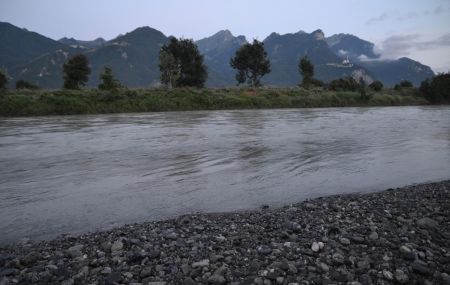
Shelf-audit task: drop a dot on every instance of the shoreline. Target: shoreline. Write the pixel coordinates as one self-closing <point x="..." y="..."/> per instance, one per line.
<point x="396" y="236"/>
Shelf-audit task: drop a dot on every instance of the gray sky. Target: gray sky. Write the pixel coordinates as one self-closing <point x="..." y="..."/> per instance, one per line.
<point x="419" y="29"/>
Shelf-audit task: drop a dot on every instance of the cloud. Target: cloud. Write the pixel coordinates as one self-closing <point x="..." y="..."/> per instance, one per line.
<point x="408" y="16"/>
<point x="396" y="46"/>
<point x="402" y="45"/>
<point x="381" y="18"/>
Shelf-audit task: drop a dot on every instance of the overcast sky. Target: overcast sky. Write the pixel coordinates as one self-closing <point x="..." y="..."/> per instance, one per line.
<point x="419" y="29"/>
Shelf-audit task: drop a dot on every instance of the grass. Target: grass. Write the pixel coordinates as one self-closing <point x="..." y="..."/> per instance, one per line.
<point x="93" y="101"/>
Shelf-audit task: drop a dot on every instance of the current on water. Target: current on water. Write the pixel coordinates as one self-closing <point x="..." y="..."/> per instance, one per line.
<point x="74" y="174"/>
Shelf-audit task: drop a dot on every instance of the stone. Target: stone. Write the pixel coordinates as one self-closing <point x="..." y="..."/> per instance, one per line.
<point x="401" y="277"/>
<point x="117" y="246"/>
<point x="338" y="258"/>
<point x="75" y="251"/>
<point x="427" y="223"/>
<point x="420" y="267"/>
<point x="407" y="253"/>
<point x="324" y="267"/>
<point x="344" y="241"/>
<point x="145" y="272"/>
<point x="445" y="278"/>
<point x="264" y="249"/>
<point x="373" y="236"/>
<point x="315" y="247"/>
<point x="217" y="279"/>
<point x="106" y="270"/>
<point x="201" y="263"/>
<point x="388" y="275"/>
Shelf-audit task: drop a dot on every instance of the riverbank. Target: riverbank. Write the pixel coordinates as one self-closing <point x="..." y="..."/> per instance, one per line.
<point x="396" y="236"/>
<point x="92" y="101"/>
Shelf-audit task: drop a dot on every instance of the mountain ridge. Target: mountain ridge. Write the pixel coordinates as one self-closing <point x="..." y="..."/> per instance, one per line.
<point x="133" y="57"/>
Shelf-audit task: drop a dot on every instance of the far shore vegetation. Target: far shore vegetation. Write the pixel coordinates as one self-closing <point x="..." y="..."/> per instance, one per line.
<point x="183" y="75"/>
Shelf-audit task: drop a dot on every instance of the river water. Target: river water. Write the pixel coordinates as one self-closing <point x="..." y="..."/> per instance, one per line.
<point x="74" y="174"/>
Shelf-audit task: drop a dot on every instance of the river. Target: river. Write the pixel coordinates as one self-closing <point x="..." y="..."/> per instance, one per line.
<point x="74" y="174"/>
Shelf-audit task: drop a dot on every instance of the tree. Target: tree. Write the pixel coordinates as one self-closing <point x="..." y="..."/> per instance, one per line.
<point x="22" y="84"/>
<point x="306" y="69"/>
<point x="376" y="86"/>
<point x="344" y="84"/>
<point x="403" y="84"/>
<point x="438" y="89"/>
<point x="251" y="63"/>
<point x="108" y="82"/>
<point x="3" y="80"/>
<point x="76" y="72"/>
<point x="170" y="69"/>
<point x="190" y="70"/>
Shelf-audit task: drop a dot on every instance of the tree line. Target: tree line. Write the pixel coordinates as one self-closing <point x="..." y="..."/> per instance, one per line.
<point x="182" y="65"/>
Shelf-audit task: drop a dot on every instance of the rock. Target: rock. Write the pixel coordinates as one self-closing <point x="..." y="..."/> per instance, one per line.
<point x="344" y="241"/>
<point x="116" y="246"/>
<point x="201" y="263"/>
<point x="445" y="278"/>
<point x="157" y="283"/>
<point x="31" y="258"/>
<point x="145" y="272"/>
<point x="388" y="275"/>
<point x="338" y="258"/>
<point x="407" y="253"/>
<point x="217" y="279"/>
<point x="315" y="247"/>
<point x="69" y="281"/>
<point x="401" y="277"/>
<point x="75" y="251"/>
<point x="106" y="270"/>
<point x="280" y="280"/>
<point x="420" y="267"/>
<point x="324" y="267"/>
<point x="373" y="236"/>
<point x="427" y="223"/>
<point x="264" y="249"/>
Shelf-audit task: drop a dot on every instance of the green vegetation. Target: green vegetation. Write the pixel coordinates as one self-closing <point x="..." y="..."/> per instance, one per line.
<point x="22" y="84"/>
<point x="76" y="72"/>
<point x="376" y="86"/>
<point x="437" y="90"/>
<point x="344" y="84"/>
<point x="92" y="101"/>
<point x="251" y="63"/>
<point x="108" y="82"/>
<point x="181" y="64"/>
<point x="3" y="81"/>
<point x="306" y="69"/>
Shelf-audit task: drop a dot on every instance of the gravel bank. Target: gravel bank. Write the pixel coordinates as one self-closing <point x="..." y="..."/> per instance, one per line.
<point x="398" y="236"/>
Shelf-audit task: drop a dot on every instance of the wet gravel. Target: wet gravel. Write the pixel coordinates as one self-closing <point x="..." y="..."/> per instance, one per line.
<point x="397" y="236"/>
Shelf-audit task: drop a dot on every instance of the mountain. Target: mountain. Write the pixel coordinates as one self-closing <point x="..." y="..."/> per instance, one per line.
<point x="355" y="48"/>
<point x="218" y="50"/>
<point x="19" y="46"/>
<point x="284" y="52"/>
<point x="82" y="44"/>
<point x="133" y="58"/>
<point x="390" y="72"/>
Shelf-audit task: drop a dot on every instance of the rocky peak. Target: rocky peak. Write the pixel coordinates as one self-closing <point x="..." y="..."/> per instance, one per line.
<point x="318" y="35"/>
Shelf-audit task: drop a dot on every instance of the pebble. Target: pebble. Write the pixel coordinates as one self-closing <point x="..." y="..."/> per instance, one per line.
<point x="326" y="242"/>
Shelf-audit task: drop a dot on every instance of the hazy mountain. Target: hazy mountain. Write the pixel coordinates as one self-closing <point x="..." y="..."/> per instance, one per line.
<point x="82" y="44"/>
<point x="133" y="58"/>
<point x="391" y="72"/>
<point x="218" y="50"/>
<point x="19" y="46"/>
<point x="355" y="48"/>
<point x="285" y="51"/>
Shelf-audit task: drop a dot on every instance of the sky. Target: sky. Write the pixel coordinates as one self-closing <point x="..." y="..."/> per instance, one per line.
<point x="419" y="29"/>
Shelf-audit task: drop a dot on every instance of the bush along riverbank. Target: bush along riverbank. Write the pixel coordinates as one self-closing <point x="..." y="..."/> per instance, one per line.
<point x="398" y="236"/>
<point x="92" y="101"/>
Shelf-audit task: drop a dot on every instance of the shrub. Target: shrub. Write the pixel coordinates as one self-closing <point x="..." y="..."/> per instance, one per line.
<point x="22" y="84"/>
<point x="376" y="86"/>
